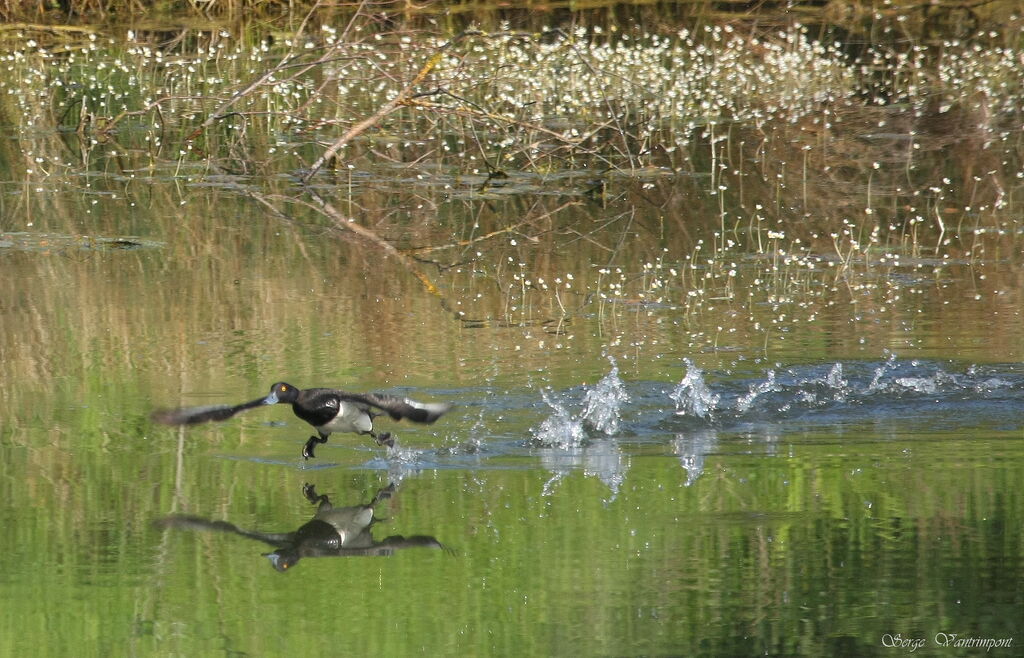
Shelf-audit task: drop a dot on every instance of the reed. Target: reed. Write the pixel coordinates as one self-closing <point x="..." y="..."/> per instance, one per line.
<point x="821" y="168"/>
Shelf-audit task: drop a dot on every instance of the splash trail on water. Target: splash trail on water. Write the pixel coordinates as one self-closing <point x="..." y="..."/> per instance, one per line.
<point x="597" y="430"/>
<point x="600" y="416"/>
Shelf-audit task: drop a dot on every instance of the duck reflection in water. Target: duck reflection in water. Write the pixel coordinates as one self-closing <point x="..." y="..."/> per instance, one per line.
<point x="332" y="532"/>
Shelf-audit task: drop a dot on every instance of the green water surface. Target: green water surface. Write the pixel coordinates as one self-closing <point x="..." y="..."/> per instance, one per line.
<point x="127" y="289"/>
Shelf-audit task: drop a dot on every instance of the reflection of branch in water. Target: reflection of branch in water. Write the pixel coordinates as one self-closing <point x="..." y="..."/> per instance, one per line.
<point x="349" y="226"/>
<point x="332" y="532"/>
<point x="480" y="238"/>
<point x="412" y="258"/>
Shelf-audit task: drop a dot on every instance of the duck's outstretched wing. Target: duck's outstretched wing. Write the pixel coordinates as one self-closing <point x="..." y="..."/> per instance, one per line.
<point x="399" y="408"/>
<point x="196" y="415"/>
<point x="398" y="542"/>
<point x="189" y="522"/>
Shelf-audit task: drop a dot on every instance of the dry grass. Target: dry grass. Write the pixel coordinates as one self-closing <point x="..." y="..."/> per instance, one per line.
<point x="820" y="170"/>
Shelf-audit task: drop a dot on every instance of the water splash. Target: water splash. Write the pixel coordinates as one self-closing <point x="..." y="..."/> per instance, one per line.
<point x="880" y="373"/>
<point x="834" y="380"/>
<point x="604" y="401"/>
<point x="983" y="384"/>
<point x="561" y="429"/>
<point x="849" y="392"/>
<point x="692" y="396"/>
<point x="744" y="403"/>
<point x="600" y="414"/>
<point x="585" y="440"/>
<point x="399" y="462"/>
<point x="918" y="384"/>
<point x="817" y="390"/>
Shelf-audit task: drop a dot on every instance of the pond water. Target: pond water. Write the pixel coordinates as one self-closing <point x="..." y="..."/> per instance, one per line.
<point x="685" y="422"/>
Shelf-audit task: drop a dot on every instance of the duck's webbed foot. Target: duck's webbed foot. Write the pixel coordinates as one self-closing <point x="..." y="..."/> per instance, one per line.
<point x="307" y="450"/>
<point x="322" y="502"/>
<point x="383" y="439"/>
<point x="309" y="491"/>
<point x="383" y="494"/>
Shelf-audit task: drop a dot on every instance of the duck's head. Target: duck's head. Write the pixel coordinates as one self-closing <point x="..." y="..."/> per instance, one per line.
<point x="281" y="392"/>
<point x="283" y="559"/>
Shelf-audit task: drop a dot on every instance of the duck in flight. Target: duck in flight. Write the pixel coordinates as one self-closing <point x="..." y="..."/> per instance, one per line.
<point x="328" y="410"/>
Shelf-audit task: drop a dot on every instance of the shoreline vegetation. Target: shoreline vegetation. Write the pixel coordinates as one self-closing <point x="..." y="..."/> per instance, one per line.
<point x="789" y="147"/>
<point x="936" y="16"/>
